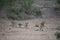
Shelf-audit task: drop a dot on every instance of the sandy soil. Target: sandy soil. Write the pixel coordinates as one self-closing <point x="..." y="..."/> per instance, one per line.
<point x="7" y="32"/>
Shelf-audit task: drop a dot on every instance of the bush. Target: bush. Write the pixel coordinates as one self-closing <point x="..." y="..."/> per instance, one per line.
<point x="18" y="13"/>
<point x="57" y="35"/>
<point x="58" y="1"/>
<point x="11" y="9"/>
<point x="38" y="13"/>
<point x="27" y="4"/>
<point x="12" y="16"/>
<point x="4" y="3"/>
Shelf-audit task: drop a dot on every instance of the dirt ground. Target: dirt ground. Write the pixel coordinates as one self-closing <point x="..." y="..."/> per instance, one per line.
<point x="8" y="31"/>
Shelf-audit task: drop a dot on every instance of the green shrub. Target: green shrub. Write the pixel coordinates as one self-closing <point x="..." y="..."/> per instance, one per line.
<point x="19" y="13"/>
<point x="38" y="13"/>
<point x="57" y="35"/>
<point x="1" y="4"/>
<point x="27" y="4"/>
<point x="11" y="10"/>
<point x="58" y="1"/>
<point x="5" y="3"/>
<point x="21" y="10"/>
<point x="12" y="16"/>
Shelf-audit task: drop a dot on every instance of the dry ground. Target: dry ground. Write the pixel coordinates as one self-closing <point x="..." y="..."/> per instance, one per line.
<point x="16" y="33"/>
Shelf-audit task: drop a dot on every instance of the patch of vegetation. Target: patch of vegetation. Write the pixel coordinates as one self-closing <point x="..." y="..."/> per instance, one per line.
<point x="12" y="16"/>
<point x="27" y="4"/>
<point x="1" y="4"/>
<point x="19" y="12"/>
<point x="57" y="35"/>
<point x="58" y="1"/>
<point x="4" y="3"/>
<point x="11" y="9"/>
<point x="38" y="13"/>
